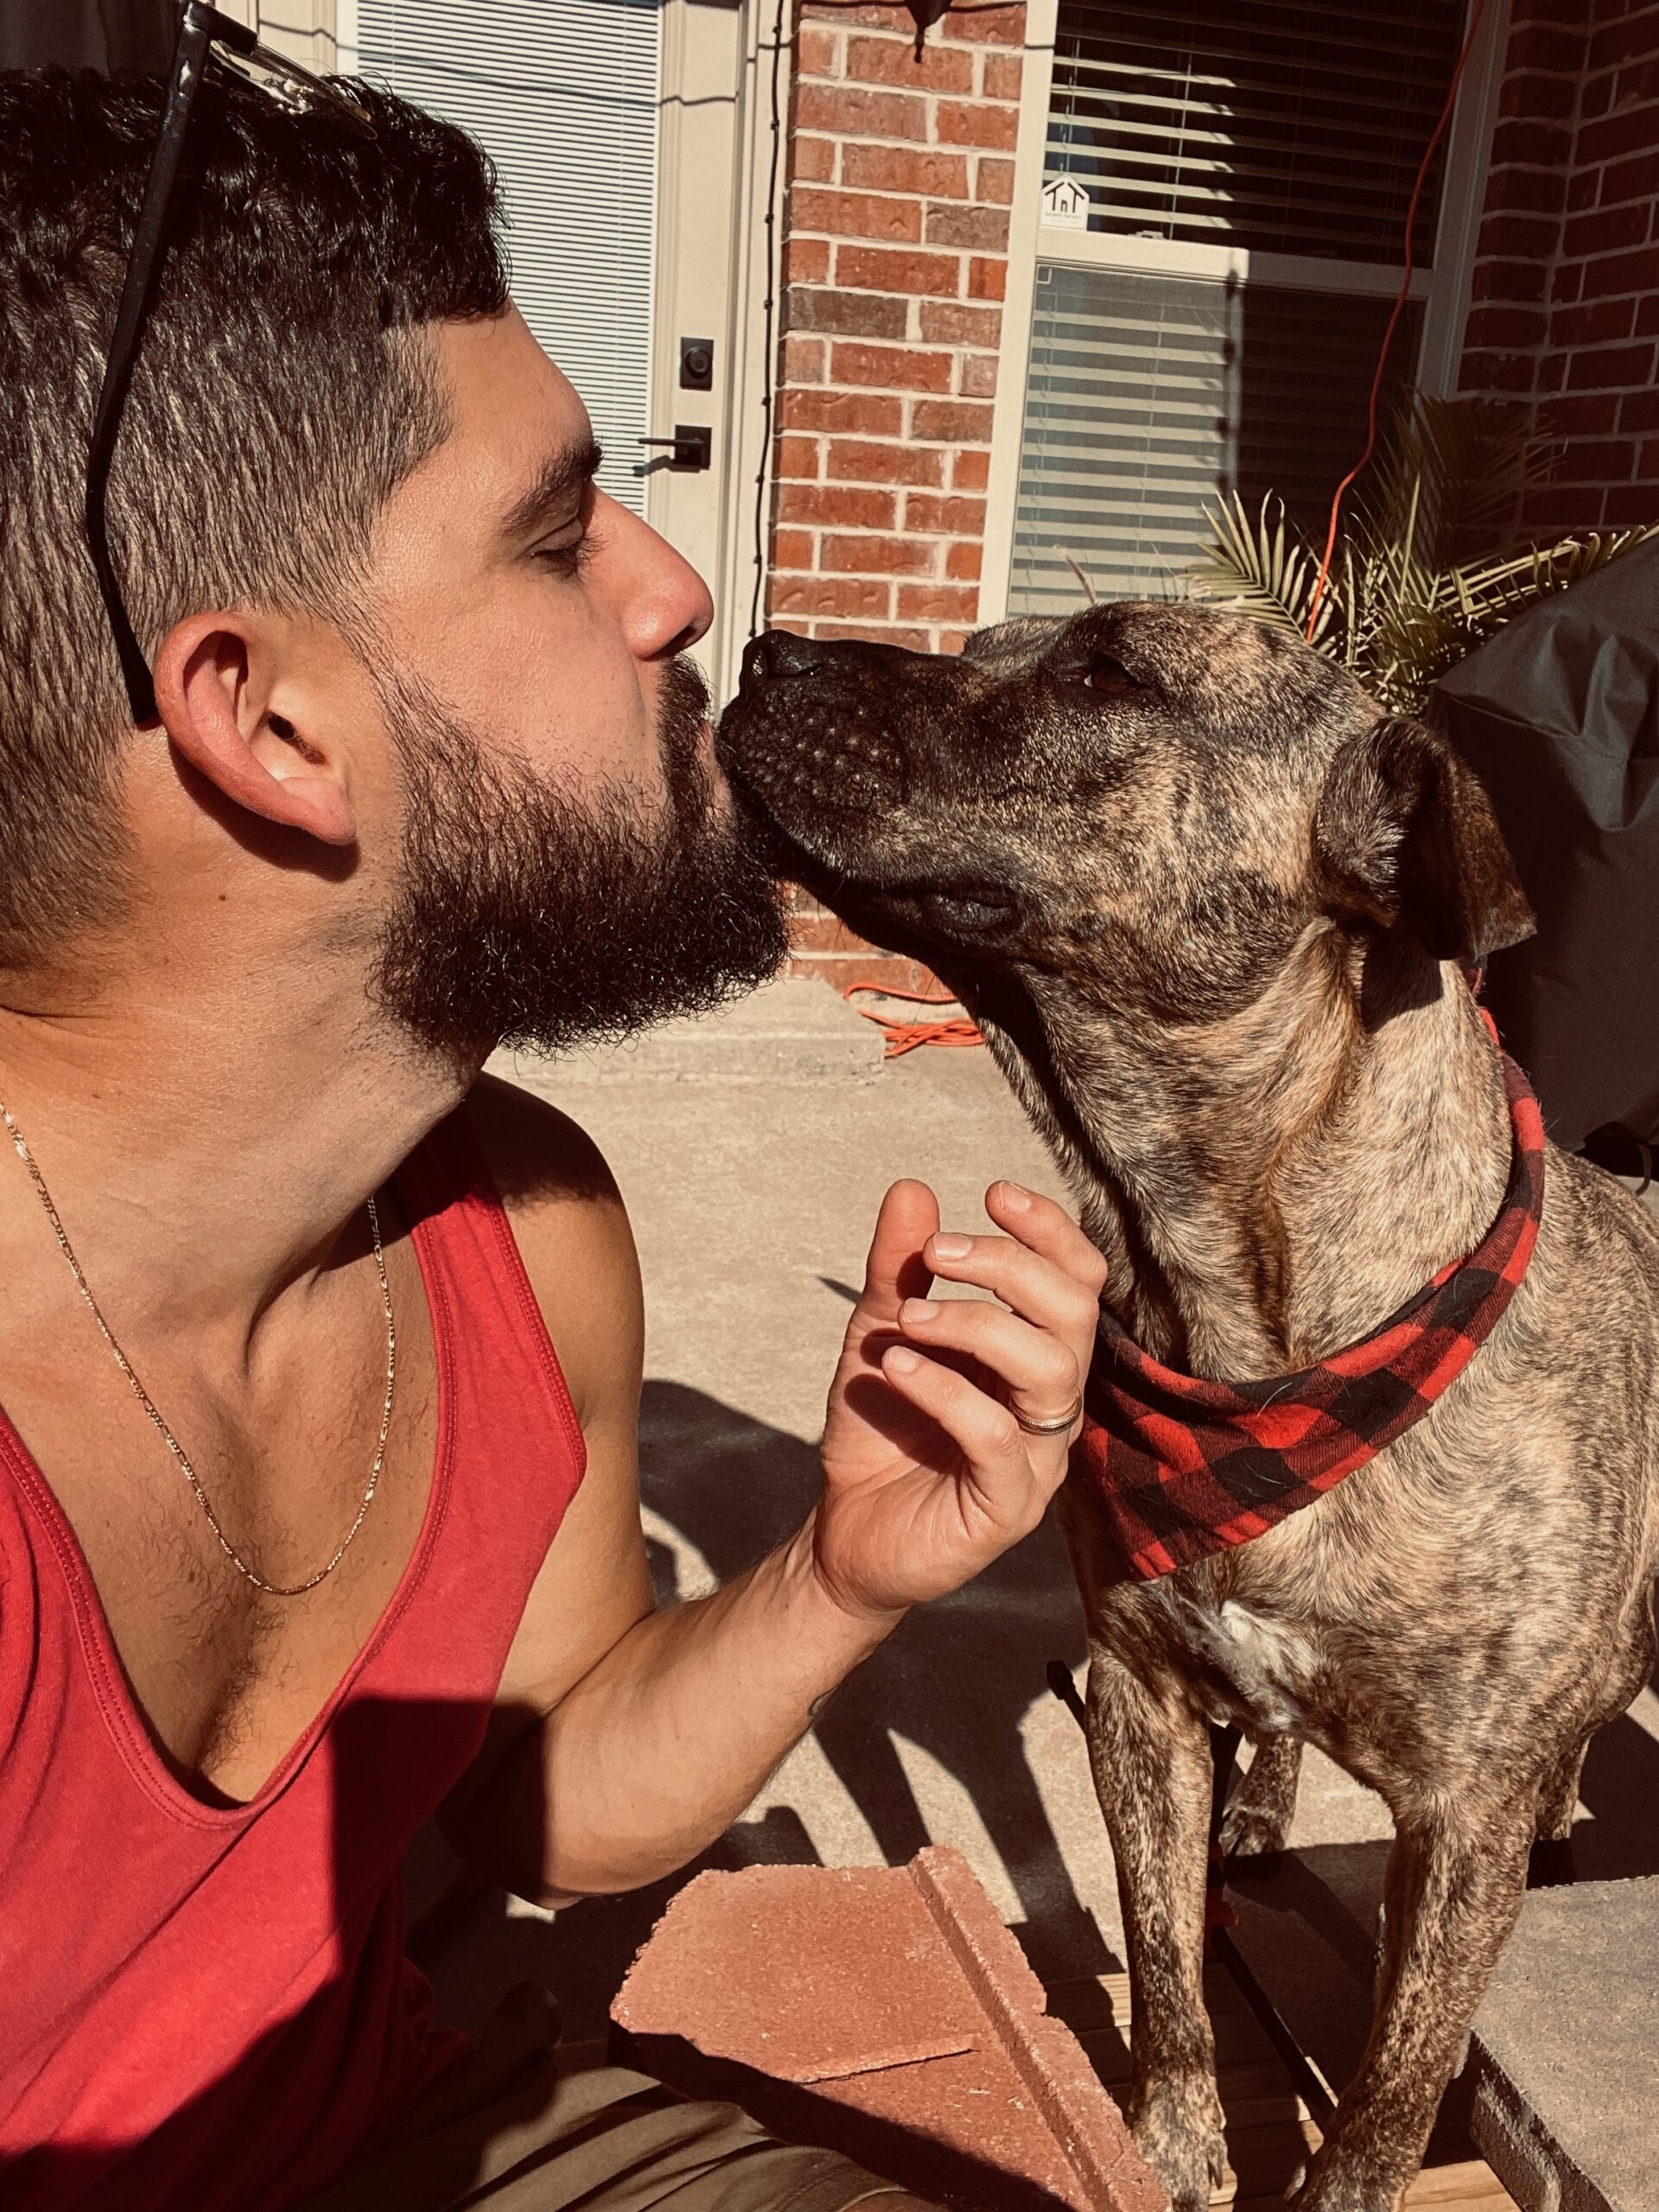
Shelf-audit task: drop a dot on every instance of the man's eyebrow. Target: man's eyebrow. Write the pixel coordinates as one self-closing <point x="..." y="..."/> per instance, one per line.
<point x="558" y="483"/>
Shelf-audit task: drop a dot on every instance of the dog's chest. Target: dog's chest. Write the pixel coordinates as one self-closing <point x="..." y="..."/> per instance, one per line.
<point x="1255" y="1666"/>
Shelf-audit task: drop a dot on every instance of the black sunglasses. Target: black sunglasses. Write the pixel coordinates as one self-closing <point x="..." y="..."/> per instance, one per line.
<point x="208" y="40"/>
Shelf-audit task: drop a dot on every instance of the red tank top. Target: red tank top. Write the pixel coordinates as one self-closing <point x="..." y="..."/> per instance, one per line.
<point x="212" y="2007"/>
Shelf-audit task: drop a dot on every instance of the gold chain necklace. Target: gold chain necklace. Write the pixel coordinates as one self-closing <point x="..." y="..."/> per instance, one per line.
<point x="271" y="1589"/>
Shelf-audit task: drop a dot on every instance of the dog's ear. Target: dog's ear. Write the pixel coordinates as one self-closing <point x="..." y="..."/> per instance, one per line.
<point x="1405" y="833"/>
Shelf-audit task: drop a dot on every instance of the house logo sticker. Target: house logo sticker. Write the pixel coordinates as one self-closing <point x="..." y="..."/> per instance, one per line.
<point x="1065" y="204"/>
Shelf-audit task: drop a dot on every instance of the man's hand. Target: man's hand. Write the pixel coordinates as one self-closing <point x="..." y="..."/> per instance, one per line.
<point x="928" y="1477"/>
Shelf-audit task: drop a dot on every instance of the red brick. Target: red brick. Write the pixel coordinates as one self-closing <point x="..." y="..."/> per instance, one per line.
<point x="1628" y="130"/>
<point x="915" y="641"/>
<point x="953" y="641"/>
<point x="1567" y="283"/>
<point x="792" y="549"/>
<point x="841" y="506"/>
<point x="1613" y="274"/>
<point x="1550" y="374"/>
<point x="946" y="322"/>
<point x="1620" y="41"/>
<point x="1647" y="463"/>
<point x="876" y="556"/>
<point x="963" y="561"/>
<point x="985" y="229"/>
<point x="1583" y="416"/>
<point x="1506" y="326"/>
<point x="877" y="16"/>
<point x="818" y="52"/>
<point x="1508" y="232"/>
<point x="950" y="422"/>
<point x="1001" y="78"/>
<point x="889" y="971"/>
<point x="1627" y="503"/>
<point x="1646" y="316"/>
<point x="1497" y="374"/>
<point x="820" y="934"/>
<point x="858" y="413"/>
<point x="1593" y="322"/>
<point x="985" y="26"/>
<point x="795" y="624"/>
<point x="939" y="602"/>
<point x="1532" y="145"/>
<point x="1596" y="96"/>
<point x="850" y="112"/>
<point x="973" y="123"/>
<point x="850" y="595"/>
<point x="892" y="61"/>
<point x="1550" y="514"/>
<point x="1582" y="187"/>
<point x="1546" y="45"/>
<point x="971" y="471"/>
<point x="957" y="518"/>
<point x="905" y="169"/>
<point x="898" y="367"/>
<point x="796" y="457"/>
<point x="1605" y="368"/>
<point x="994" y="182"/>
<point x="1553" y="98"/>
<point x="1603" y="460"/>
<point x="978" y="377"/>
<point x="854" y="214"/>
<point x="1513" y="281"/>
<point x="803" y="360"/>
<point x="1639" y="410"/>
<point x="856" y="460"/>
<point x="1604" y="230"/>
<point x="1540" y="189"/>
<point x="845" y="314"/>
<point x="806" y="261"/>
<point x="812" y="161"/>
<point x="987" y="280"/>
<point x="1635" y="178"/>
<point x="1639" y="79"/>
<point x="871" y="269"/>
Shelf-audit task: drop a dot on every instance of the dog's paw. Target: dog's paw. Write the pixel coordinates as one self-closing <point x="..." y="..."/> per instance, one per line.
<point x="1177" y="2127"/>
<point x="1253" y="1832"/>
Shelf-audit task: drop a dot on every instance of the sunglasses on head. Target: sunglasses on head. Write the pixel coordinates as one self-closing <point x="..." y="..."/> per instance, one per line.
<point x="209" y="42"/>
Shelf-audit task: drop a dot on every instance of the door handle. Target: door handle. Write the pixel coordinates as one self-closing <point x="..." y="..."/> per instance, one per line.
<point x="692" y="445"/>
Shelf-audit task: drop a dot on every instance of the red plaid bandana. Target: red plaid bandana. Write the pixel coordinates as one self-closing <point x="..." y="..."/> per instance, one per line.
<point x="1185" y="1467"/>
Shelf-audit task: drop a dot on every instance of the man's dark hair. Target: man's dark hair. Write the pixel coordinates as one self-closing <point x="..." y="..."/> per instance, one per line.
<point x="283" y="392"/>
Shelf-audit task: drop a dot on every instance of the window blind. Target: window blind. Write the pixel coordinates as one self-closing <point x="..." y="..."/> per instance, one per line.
<point x="1149" y="397"/>
<point x="1266" y="124"/>
<point x="563" y="95"/>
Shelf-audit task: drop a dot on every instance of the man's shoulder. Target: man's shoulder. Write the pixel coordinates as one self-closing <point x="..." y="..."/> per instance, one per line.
<point x="572" y="1235"/>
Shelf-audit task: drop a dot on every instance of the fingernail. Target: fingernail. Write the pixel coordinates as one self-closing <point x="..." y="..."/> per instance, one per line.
<point x="918" y="1309"/>
<point x="902" y="1360"/>
<point x="1015" y="1197"/>
<point x="952" y="1248"/>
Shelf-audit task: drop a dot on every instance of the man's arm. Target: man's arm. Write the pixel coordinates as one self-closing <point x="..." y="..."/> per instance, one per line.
<point x="627" y="1739"/>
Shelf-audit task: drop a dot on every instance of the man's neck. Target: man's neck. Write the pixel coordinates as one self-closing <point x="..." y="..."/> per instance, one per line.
<point x="1269" y="1188"/>
<point x="208" y="1142"/>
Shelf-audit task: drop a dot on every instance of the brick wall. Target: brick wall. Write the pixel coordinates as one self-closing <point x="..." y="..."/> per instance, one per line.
<point x="894" y="247"/>
<point x="1564" y="301"/>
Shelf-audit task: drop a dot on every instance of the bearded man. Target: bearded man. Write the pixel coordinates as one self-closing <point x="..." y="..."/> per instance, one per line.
<point x="319" y="1352"/>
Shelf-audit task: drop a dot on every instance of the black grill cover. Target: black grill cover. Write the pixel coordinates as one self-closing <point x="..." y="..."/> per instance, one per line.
<point x="1558" y="712"/>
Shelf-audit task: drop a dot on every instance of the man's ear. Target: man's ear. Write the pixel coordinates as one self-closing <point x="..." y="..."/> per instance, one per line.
<point x="1404" y="833"/>
<point x="217" y="690"/>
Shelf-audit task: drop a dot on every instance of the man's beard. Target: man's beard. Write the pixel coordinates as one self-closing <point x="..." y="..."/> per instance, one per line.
<point x="529" y="915"/>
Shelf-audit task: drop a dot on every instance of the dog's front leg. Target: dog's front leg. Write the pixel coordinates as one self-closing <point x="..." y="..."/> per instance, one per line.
<point x="1454" y="1888"/>
<point x="1151" y="1759"/>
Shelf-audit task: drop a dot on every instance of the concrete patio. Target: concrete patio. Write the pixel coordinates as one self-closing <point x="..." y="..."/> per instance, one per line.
<point x="752" y="1150"/>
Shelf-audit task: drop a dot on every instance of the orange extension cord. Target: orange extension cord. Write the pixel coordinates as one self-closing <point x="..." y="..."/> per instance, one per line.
<point x="1399" y="309"/>
<point x="905" y="1036"/>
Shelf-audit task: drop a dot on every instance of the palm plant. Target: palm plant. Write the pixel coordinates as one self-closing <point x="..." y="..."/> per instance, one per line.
<point x="1399" y="607"/>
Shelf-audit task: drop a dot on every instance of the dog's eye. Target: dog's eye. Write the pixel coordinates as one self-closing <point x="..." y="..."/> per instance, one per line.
<point x="1105" y="674"/>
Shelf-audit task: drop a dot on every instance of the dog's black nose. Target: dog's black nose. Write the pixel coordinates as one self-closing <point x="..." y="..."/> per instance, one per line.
<point x="777" y="653"/>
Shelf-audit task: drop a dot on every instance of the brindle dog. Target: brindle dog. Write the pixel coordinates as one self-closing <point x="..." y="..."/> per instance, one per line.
<point x="1205" y="905"/>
